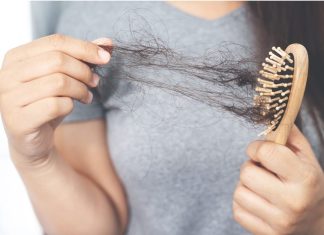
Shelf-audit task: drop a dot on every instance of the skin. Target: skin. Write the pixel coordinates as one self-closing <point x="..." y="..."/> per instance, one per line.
<point x="281" y="189"/>
<point x="61" y="170"/>
<point x="67" y="169"/>
<point x="207" y="10"/>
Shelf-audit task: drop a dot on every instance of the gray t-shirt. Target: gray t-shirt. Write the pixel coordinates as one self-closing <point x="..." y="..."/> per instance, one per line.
<point x="179" y="159"/>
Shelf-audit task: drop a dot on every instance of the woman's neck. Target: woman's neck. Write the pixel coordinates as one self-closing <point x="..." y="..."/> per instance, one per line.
<point x="210" y="10"/>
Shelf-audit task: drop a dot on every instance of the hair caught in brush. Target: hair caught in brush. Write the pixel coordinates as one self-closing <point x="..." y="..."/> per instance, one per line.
<point x="218" y="78"/>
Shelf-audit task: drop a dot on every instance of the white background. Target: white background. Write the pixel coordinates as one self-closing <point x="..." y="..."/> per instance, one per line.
<point x="16" y="214"/>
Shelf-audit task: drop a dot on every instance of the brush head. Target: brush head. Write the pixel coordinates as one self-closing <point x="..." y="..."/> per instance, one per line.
<point x="274" y="87"/>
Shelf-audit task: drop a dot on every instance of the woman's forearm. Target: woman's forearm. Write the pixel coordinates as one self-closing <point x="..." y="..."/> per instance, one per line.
<point x="67" y="202"/>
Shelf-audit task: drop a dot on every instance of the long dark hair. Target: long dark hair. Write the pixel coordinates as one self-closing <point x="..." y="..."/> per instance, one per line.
<point x="285" y="23"/>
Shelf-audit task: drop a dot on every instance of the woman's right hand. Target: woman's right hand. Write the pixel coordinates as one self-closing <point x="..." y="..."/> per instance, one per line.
<point x="38" y="82"/>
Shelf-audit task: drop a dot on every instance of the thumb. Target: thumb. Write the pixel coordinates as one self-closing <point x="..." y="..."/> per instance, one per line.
<point x="105" y="43"/>
<point x="54" y="123"/>
<point x="299" y="144"/>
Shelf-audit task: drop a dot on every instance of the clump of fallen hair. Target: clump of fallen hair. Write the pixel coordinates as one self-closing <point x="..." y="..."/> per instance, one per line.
<point x="218" y="78"/>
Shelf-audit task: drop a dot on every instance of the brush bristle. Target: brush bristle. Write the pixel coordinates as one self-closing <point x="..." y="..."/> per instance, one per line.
<point x="274" y="87"/>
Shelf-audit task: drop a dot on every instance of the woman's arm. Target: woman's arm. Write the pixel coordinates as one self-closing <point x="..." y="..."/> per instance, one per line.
<point x="77" y="191"/>
<point x="93" y="161"/>
<point x="66" y="170"/>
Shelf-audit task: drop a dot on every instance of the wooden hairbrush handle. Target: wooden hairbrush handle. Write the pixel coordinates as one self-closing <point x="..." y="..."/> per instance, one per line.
<point x="280" y="135"/>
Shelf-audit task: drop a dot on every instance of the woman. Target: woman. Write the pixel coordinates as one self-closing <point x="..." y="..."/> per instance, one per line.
<point x="177" y="160"/>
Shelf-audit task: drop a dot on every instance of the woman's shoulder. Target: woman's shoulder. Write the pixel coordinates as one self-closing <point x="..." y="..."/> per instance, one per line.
<point x="54" y="17"/>
<point x="84" y="20"/>
<point x="44" y="17"/>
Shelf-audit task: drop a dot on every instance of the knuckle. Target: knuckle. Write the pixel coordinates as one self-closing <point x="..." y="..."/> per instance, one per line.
<point x="244" y="166"/>
<point x="236" y="215"/>
<point x="56" y="40"/>
<point x="311" y="176"/>
<point x="285" y="224"/>
<point x="10" y="122"/>
<point x="8" y="55"/>
<point x="88" y="48"/>
<point x="84" y="91"/>
<point x="89" y="74"/>
<point x="58" y="60"/>
<point x="69" y="104"/>
<point x="55" y="108"/>
<point x="60" y="106"/>
<point x="266" y="150"/>
<point x="66" y="105"/>
<point x="237" y="194"/>
<point x="60" y="82"/>
<point x="245" y="172"/>
<point x="299" y="206"/>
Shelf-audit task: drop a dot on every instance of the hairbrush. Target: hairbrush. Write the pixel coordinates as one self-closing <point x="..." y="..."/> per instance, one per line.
<point x="281" y="89"/>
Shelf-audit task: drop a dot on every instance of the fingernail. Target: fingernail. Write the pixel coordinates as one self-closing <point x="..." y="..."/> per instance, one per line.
<point x="90" y="97"/>
<point x="95" y="79"/>
<point x="104" y="55"/>
<point x="102" y="41"/>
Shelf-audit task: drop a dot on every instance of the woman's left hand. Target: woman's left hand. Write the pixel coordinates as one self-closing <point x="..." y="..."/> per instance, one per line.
<point x="281" y="189"/>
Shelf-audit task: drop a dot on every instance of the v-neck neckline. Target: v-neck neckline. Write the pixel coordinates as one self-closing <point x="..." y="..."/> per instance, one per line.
<point x="217" y="20"/>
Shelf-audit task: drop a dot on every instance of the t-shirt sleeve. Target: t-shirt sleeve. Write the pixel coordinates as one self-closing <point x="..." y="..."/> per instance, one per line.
<point x="45" y="16"/>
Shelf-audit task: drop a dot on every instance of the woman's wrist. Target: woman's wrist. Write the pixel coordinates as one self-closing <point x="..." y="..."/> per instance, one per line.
<point x="35" y="165"/>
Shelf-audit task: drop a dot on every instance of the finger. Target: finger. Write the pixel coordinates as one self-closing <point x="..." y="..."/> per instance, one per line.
<point x="256" y="205"/>
<point x="276" y="158"/>
<point x="55" y="122"/>
<point x="48" y="63"/>
<point x="105" y="43"/>
<point x="250" y="222"/>
<point x="261" y="182"/>
<point x="298" y="143"/>
<point x="50" y="86"/>
<point x="79" y="49"/>
<point x="297" y="138"/>
<point x="44" y="111"/>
